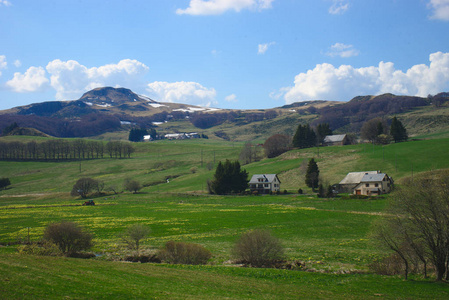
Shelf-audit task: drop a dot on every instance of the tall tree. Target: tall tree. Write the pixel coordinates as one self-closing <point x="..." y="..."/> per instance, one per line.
<point x="312" y="174"/>
<point x="277" y="144"/>
<point x="398" y="131"/>
<point x="229" y="178"/>
<point x="304" y="137"/>
<point x="322" y="130"/>
<point x="420" y="209"/>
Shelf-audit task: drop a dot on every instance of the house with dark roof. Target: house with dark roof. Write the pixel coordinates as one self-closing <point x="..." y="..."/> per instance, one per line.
<point x="265" y="183"/>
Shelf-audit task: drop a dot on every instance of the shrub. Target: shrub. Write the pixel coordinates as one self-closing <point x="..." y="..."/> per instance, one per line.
<point x="285" y="192"/>
<point x="4" y="182"/>
<point x="184" y="253"/>
<point x="134" y="234"/>
<point x="132" y="185"/>
<point x="84" y="186"/>
<point x="258" y="248"/>
<point x="68" y="236"/>
<point x="143" y="258"/>
<point x="44" y="249"/>
<point x="300" y="191"/>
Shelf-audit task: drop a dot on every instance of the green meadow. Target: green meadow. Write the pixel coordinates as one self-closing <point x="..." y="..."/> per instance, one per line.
<point x="331" y="236"/>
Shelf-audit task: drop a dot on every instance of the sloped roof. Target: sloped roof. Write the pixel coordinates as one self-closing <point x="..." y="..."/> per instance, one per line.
<point x="356" y="177"/>
<point x="266" y="178"/>
<point x="373" y="177"/>
<point x="334" y="138"/>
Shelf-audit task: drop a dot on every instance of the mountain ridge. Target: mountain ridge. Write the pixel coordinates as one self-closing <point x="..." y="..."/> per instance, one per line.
<point x="107" y="109"/>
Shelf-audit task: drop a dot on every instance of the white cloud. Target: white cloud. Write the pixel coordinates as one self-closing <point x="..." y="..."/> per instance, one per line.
<point x="326" y="82"/>
<point x="342" y="50"/>
<point x="70" y="79"/>
<point x="440" y="9"/>
<point x="231" y="98"/>
<point x="217" y="7"/>
<point x="264" y="47"/>
<point x="3" y="63"/>
<point x="182" y="92"/>
<point x="17" y="63"/>
<point x="34" y="80"/>
<point x="5" y="3"/>
<point x="338" y="7"/>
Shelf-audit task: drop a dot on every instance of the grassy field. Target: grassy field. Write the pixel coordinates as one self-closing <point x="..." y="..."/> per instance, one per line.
<point x="330" y="235"/>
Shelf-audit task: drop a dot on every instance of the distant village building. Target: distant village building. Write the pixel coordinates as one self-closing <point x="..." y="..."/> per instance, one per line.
<point x="147" y="138"/>
<point x="182" y="136"/>
<point x="367" y="183"/>
<point x="336" y="140"/>
<point x="265" y="183"/>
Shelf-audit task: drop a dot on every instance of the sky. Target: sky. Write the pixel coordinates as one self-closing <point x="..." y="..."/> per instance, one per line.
<point x="239" y="54"/>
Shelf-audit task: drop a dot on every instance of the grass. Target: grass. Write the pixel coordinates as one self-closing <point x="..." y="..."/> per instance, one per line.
<point x="329" y="235"/>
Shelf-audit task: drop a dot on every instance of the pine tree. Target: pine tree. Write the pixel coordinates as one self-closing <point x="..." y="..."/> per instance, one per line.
<point x="304" y="137"/>
<point x="322" y="131"/>
<point x="398" y="131"/>
<point x="312" y="174"/>
<point x="229" y="178"/>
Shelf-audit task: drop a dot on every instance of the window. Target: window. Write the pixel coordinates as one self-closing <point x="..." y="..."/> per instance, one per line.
<point x="367" y="185"/>
<point x="376" y="184"/>
<point x="266" y="185"/>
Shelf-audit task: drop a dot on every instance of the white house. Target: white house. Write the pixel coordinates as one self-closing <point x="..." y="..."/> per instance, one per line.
<point x="265" y="183"/>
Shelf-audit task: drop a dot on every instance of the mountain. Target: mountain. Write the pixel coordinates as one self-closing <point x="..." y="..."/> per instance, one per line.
<point x="108" y="109"/>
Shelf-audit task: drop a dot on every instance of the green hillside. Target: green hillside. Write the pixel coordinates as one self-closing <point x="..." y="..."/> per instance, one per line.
<point x="331" y="236"/>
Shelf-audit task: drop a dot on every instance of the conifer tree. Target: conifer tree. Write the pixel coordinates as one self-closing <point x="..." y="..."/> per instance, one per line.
<point x="229" y="178"/>
<point x="312" y="174"/>
<point x="398" y="131"/>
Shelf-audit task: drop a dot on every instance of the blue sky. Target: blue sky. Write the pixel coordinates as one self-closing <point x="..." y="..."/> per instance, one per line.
<point x="223" y="53"/>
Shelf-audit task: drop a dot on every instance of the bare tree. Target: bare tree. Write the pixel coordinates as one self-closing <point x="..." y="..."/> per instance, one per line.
<point x="134" y="234"/>
<point x="68" y="236"/>
<point x="419" y="216"/>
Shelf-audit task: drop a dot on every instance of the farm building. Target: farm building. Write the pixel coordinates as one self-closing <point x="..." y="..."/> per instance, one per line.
<point x="366" y="183"/>
<point x="265" y="183"/>
<point x="374" y="184"/>
<point x="336" y="140"/>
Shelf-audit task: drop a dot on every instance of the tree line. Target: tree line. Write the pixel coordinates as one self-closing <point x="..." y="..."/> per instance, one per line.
<point x="60" y="149"/>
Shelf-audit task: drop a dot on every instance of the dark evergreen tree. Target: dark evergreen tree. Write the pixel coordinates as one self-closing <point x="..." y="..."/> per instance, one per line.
<point x="398" y="131"/>
<point x="304" y="137"/>
<point x="137" y="134"/>
<point x="312" y="174"/>
<point x="322" y="130"/>
<point x="229" y="178"/>
<point x="4" y="182"/>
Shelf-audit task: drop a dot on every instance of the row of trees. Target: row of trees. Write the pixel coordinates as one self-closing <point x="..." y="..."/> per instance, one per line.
<point x="88" y="186"/>
<point x="61" y="149"/>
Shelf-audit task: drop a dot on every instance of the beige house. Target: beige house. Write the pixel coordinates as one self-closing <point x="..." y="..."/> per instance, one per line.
<point x="265" y="183"/>
<point x="374" y="184"/>
<point x="353" y="179"/>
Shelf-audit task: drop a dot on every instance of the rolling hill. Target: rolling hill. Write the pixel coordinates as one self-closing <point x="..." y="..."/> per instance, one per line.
<point x="103" y="111"/>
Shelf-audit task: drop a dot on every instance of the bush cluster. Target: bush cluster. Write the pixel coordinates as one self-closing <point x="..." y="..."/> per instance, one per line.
<point x="184" y="253"/>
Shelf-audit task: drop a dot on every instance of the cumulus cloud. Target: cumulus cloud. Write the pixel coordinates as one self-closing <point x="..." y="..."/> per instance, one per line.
<point x="440" y="9"/>
<point x="70" y="79"/>
<point x="5" y="3"/>
<point x="330" y="83"/>
<point x="3" y="63"/>
<point x="34" y="80"/>
<point x="17" y="63"/>
<point x="231" y="98"/>
<point x="264" y="47"/>
<point x="342" y="50"/>
<point x="338" y="7"/>
<point x="182" y="92"/>
<point x="217" y="7"/>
